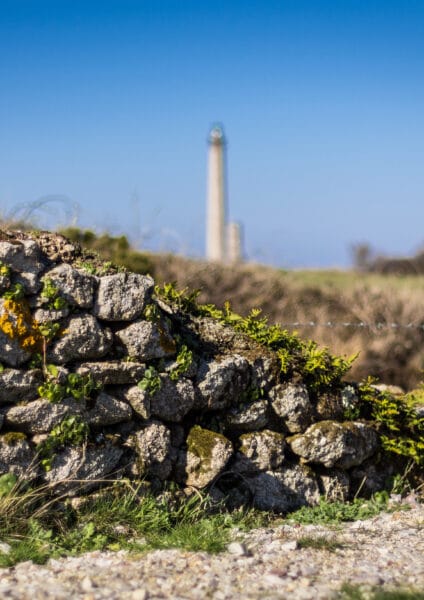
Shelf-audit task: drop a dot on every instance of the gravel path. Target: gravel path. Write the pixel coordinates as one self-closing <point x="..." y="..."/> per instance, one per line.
<point x="386" y="551"/>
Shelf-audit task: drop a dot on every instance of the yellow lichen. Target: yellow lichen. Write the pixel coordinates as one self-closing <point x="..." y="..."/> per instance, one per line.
<point x="16" y="323"/>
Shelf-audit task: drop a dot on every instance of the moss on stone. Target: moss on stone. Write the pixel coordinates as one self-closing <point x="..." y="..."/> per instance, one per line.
<point x="201" y="443"/>
<point x="12" y="437"/>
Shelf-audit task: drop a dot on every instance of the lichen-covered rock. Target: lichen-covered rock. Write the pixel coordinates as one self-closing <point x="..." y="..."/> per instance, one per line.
<point x="139" y="401"/>
<point x="144" y="340"/>
<point x="335" y="485"/>
<point x="113" y="372"/>
<point x="291" y="402"/>
<point x="285" y="490"/>
<point x="207" y="454"/>
<point x="334" y="444"/>
<point x="249" y="417"/>
<point x="17" y="385"/>
<point x="261" y="451"/>
<point x="108" y="411"/>
<point x="76" y="469"/>
<point x="13" y="329"/>
<point x="122" y="297"/>
<point x="222" y="383"/>
<point x="40" y="416"/>
<point x="82" y="338"/>
<point x="17" y="456"/>
<point x="173" y="400"/>
<point x="75" y="286"/>
<point x="154" y="450"/>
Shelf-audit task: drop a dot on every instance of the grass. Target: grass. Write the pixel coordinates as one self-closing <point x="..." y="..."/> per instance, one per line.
<point x="354" y="592"/>
<point x="319" y="543"/>
<point x="118" y="518"/>
<point x="328" y="513"/>
<point x="124" y="517"/>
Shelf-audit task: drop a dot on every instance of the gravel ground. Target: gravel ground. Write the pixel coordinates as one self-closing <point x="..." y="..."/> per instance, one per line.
<point x="386" y="551"/>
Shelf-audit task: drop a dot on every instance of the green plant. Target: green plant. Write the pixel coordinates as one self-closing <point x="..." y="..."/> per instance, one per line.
<point x="184" y="361"/>
<point x="337" y="512"/>
<point x="80" y="387"/>
<point x="354" y="592"/>
<point x="401" y="427"/>
<point x="122" y="516"/>
<point x="4" y="270"/>
<point x="151" y="382"/>
<point x="15" y="292"/>
<point x="7" y="484"/>
<point x="51" y="293"/>
<point x="71" y="430"/>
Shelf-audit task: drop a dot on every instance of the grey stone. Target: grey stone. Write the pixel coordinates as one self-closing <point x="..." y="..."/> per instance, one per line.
<point x="113" y="372"/>
<point x="45" y="315"/>
<point x="291" y="402"/>
<point x="22" y="256"/>
<point x="30" y="282"/>
<point x="108" y="411"/>
<point x="17" y="457"/>
<point x="144" y="341"/>
<point x="40" y="416"/>
<point x="265" y="371"/>
<point x="285" y="490"/>
<point x="207" y="454"/>
<point x="139" y="401"/>
<point x="249" y="417"/>
<point x="173" y="400"/>
<point x="77" y="469"/>
<point x="12" y="352"/>
<point x="4" y="283"/>
<point x="221" y="383"/>
<point x="75" y="286"/>
<point x="18" y="385"/>
<point x="153" y="446"/>
<point x="122" y="297"/>
<point x="334" y="444"/>
<point x="82" y="338"/>
<point x="262" y="450"/>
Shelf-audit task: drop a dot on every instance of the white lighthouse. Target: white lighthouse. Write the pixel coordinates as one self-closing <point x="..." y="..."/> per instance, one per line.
<point x="216" y="202"/>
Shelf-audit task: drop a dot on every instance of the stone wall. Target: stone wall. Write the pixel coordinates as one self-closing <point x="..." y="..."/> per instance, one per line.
<point x="102" y="379"/>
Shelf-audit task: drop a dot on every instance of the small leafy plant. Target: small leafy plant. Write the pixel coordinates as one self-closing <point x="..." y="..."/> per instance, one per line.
<point x="51" y="293"/>
<point x="184" y="361"/>
<point x="4" y="270"/>
<point x="151" y="382"/>
<point x="80" y="387"/>
<point x="71" y="430"/>
<point x="15" y="292"/>
<point x="402" y="428"/>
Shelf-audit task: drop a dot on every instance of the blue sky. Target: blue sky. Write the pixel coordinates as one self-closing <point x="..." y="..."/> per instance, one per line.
<point x="109" y="103"/>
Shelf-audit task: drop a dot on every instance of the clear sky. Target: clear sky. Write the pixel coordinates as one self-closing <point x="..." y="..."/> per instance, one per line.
<point x="109" y="103"/>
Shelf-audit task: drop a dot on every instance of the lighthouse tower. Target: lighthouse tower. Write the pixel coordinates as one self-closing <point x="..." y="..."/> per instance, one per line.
<point x="216" y="202"/>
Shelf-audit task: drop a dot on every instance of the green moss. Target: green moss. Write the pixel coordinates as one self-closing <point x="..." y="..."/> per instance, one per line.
<point x="12" y="437"/>
<point x="318" y="368"/>
<point x="201" y="443"/>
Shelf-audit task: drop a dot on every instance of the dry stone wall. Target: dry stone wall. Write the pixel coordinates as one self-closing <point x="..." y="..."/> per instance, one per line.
<point x="100" y="379"/>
